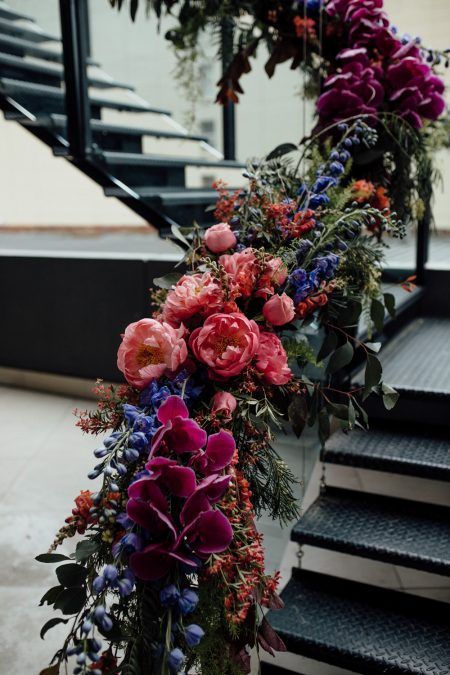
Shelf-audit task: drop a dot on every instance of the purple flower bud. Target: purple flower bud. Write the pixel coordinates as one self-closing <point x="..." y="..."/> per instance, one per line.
<point x="99" y="612"/>
<point x="98" y="584"/>
<point x="114" y="487"/>
<point x="100" y="452"/>
<point x="169" y="596"/>
<point x="81" y="658"/>
<point x="130" y="454"/>
<point x="193" y="635"/>
<point x="86" y="627"/>
<point x="188" y="601"/>
<point x="75" y="649"/>
<point x="125" y="587"/>
<point x="110" y="573"/>
<point x="95" y="473"/>
<point x="176" y="660"/>
<point x="106" y="623"/>
<point x="96" y="644"/>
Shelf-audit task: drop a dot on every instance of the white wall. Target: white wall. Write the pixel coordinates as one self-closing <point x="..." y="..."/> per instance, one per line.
<point x="270" y="111"/>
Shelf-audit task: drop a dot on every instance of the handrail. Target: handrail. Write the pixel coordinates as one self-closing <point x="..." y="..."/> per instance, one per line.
<point x="228" y="112"/>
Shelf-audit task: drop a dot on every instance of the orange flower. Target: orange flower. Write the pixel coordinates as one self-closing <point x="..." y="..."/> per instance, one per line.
<point x="305" y="27"/>
<point x="362" y="190"/>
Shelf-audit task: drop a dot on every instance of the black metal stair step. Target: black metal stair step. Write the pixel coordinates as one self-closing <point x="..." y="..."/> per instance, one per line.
<point x="99" y="127"/>
<point x="32" y="33"/>
<point x="363" y="628"/>
<point x="17" y="68"/>
<point x="11" y="14"/>
<point x="272" y="669"/>
<point x="393" y="451"/>
<point x="416" y="362"/>
<point x="25" y="47"/>
<point x="398" y="531"/>
<point x="135" y="159"/>
<point x="45" y="99"/>
<point x="168" y="196"/>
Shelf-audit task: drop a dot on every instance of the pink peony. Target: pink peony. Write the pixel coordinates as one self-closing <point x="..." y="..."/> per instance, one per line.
<point x="242" y="270"/>
<point x="226" y="343"/>
<point x="279" y="310"/>
<point x="274" y="274"/>
<point x="148" y="349"/>
<point x="219" y="238"/>
<point x="225" y="403"/>
<point x="193" y="294"/>
<point x="271" y="360"/>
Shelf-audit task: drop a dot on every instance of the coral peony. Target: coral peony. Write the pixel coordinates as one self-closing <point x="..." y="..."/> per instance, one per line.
<point x="148" y="349"/>
<point x="220" y="238"/>
<point x="279" y="310"/>
<point x="226" y="343"/>
<point x="193" y="294"/>
<point x="242" y="270"/>
<point x="271" y="360"/>
<point x="224" y="403"/>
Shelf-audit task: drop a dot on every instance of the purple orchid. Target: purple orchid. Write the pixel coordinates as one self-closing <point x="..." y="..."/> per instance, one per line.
<point x="178" y="433"/>
<point x="217" y="455"/>
<point x="149" y="508"/>
<point x="156" y="560"/>
<point x="178" y="480"/>
<point x="210" y="532"/>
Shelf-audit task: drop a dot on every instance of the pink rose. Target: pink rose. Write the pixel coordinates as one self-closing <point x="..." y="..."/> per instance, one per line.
<point x="148" y="349"/>
<point x="193" y="294"/>
<point x="279" y="310"/>
<point x="241" y="269"/>
<point x="226" y="343"/>
<point x="225" y="403"/>
<point x="219" y="238"/>
<point x="271" y="360"/>
<point x="274" y="274"/>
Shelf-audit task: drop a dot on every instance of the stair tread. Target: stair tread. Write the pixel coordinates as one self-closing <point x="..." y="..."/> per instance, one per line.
<point x="60" y="121"/>
<point x="32" y="32"/>
<point x="399" y="531"/>
<point x="134" y="159"/>
<point x="421" y="455"/>
<point x="418" y="358"/>
<point x="12" y="86"/>
<point x="363" y="628"/>
<point x="34" y="48"/>
<point x="169" y="195"/>
<point x="11" y="14"/>
<point x="56" y="70"/>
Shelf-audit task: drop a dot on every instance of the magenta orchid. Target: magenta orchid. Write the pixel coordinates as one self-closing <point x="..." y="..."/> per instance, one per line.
<point x="178" y="434"/>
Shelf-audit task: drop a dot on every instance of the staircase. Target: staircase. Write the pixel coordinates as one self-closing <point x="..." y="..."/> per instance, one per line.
<point x="149" y="166"/>
<point x="361" y="627"/>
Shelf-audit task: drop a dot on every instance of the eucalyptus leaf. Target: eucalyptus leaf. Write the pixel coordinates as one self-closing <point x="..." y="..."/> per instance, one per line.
<point x="51" y="670"/>
<point x="372" y="375"/>
<point x="339" y="410"/>
<point x="390" y="396"/>
<point x="51" y="595"/>
<point x="389" y="303"/>
<point x="328" y="345"/>
<point x="324" y="426"/>
<point x="177" y="233"/>
<point x="46" y="627"/>
<point x="351" y="414"/>
<point x="168" y="280"/>
<point x="377" y="312"/>
<point x="281" y="150"/>
<point x="71" y="600"/>
<point x="71" y="575"/>
<point x="51" y="557"/>
<point x="298" y="414"/>
<point x="340" y="358"/>
<point x="134" y="4"/>
<point x="373" y="346"/>
<point x="85" y="549"/>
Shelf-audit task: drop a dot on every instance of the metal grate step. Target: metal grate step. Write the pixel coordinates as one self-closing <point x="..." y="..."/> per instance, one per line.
<point x="388" y="529"/>
<point x="28" y="32"/>
<point x="25" y="47"/>
<point x="424" y="456"/>
<point x="363" y="628"/>
<point x="10" y="14"/>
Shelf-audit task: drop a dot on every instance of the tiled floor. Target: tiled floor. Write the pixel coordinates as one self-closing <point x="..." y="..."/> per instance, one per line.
<point x="44" y="464"/>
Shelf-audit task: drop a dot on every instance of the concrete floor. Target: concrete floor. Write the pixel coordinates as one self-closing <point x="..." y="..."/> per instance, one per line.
<point x="45" y="460"/>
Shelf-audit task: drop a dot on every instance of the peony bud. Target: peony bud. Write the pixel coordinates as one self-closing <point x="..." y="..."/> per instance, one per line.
<point x="279" y="310"/>
<point x="220" y="238"/>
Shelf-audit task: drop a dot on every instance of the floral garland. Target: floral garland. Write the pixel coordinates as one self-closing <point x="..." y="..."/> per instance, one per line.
<point x="170" y="569"/>
<point x="260" y="330"/>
